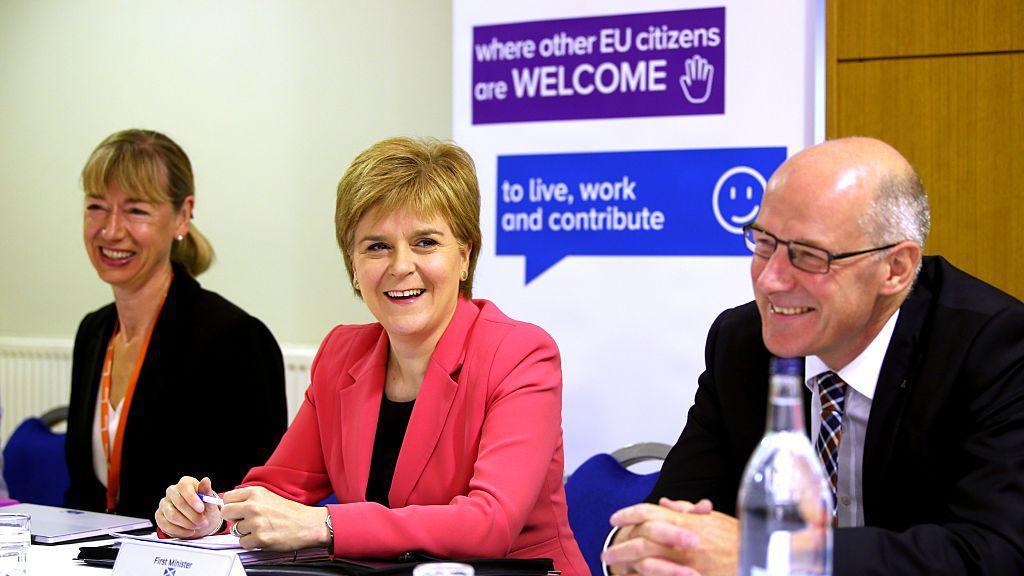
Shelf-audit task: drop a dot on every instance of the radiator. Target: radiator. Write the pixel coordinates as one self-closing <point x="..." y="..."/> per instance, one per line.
<point x="297" y="360"/>
<point x="35" y="376"/>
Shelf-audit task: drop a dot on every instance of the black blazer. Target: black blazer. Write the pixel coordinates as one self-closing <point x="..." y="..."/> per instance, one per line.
<point x="943" y="463"/>
<point x="210" y="400"/>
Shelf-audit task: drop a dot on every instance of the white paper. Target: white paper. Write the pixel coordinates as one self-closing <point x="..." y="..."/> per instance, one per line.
<point x="215" y="542"/>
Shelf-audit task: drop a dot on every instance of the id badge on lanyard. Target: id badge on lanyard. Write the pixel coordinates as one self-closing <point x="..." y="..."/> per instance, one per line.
<point x="113" y="453"/>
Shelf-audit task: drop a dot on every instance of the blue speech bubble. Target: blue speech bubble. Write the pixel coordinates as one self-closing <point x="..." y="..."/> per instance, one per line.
<point x="652" y="203"/>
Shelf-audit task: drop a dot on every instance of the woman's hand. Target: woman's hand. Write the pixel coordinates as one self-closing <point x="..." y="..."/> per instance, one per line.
<point x="268" y="521"/>
<point x="181" y="514"/>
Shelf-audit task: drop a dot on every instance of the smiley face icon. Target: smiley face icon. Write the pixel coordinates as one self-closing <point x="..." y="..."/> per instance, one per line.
<point x="737" y="198"/>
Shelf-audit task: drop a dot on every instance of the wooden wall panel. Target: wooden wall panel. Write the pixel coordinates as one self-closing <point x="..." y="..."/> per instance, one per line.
<point x="879" y="29"/>
<point x="943" y="81"/>
<point x="960" y="122"/>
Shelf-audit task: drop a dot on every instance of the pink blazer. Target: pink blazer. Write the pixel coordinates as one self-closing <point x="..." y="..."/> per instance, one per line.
<point x="479" y="473"/>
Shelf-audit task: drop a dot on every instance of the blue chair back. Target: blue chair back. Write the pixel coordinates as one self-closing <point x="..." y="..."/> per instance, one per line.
<point x="598" y="488"/>
<point x="34" y="465"/>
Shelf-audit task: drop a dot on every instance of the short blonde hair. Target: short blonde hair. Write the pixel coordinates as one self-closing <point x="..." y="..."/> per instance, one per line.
<point x="149" y="166"/>
<point x="426" y="175"/>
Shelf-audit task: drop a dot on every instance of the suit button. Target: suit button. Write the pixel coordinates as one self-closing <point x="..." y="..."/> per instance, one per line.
<point x="845" y="500"/>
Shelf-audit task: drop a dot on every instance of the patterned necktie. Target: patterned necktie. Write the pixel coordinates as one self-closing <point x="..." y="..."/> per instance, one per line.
<point x="832" y="391"/>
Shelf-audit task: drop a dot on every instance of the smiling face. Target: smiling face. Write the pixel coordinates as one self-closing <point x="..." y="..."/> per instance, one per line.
<point x="129" y="241"/>
<point x="408" y="269"/>
<point x="816" y="199"/>
<point x="737" y="198"/>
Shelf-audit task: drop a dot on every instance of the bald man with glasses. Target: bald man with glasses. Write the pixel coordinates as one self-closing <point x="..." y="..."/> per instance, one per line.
<point x="929" y="472"/>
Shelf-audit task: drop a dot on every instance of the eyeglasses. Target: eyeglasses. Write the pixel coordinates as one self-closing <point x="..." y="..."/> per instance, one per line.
<point x="803" y="257"/>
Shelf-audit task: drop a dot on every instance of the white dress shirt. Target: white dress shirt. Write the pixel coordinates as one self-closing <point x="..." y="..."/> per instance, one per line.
<point x="861" y="377"/>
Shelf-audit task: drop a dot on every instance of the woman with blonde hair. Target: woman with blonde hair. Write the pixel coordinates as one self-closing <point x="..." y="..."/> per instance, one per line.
<point x="166" y="354"/>
<point x="439" y="426"/>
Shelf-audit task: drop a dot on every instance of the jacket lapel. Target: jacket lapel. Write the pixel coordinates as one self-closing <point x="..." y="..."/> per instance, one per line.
<point x="97" y="354"/>
<point x="359" y="409"/>
<point x="433" y="404"/>
<point x="160" y="368"/>
<point x="167" y="350"/>
<point x="81" y="444"/>
<point x="895" y="381"/>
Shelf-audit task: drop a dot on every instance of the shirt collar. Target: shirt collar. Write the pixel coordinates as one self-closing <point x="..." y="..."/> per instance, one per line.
<point x="862" y="372"/>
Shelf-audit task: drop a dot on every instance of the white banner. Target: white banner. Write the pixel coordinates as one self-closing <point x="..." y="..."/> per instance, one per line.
<point x="620" y="148"/>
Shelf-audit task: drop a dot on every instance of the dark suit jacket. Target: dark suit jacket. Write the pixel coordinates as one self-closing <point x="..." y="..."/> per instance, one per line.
<point x="210" y="400"/>
<point x="943" y="470"/>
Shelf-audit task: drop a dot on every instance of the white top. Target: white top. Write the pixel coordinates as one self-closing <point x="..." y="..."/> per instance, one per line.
<point x="99" y="459"/>
<point x="861" y="377"/>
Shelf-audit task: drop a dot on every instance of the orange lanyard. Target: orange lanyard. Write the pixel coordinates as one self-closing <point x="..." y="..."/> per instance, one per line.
<point x="114" y="456"/>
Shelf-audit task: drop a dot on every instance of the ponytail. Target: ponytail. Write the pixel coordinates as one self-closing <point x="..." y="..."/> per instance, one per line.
<point x="194" y="252"/>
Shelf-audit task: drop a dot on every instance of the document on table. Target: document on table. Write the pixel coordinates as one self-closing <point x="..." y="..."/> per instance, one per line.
<point x="215" y="542"/>
<point x="229" y="542"/>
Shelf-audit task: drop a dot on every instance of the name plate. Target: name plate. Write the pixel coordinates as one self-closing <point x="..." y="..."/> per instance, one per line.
<point x="143" y="558"/>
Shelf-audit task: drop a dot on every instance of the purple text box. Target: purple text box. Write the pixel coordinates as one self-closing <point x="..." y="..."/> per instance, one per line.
<point x="652" y="64"/>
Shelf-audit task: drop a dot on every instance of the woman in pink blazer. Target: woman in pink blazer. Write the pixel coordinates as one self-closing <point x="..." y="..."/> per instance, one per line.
<point x="439" y="426"/>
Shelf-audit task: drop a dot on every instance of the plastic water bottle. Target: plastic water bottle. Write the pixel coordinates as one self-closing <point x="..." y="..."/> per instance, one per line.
<point x="785" y="503"/>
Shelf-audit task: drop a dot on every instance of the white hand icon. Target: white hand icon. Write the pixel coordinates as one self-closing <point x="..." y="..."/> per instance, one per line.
<point x="699" y="77"/>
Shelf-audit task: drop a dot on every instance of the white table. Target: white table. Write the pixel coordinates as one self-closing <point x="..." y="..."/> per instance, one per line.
<point x="60" y="559"/>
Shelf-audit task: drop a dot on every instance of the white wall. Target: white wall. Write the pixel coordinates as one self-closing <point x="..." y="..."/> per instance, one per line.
<point x="271" y="100"/>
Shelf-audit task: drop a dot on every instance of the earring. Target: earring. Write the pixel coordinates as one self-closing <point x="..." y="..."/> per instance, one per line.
<point x="355" y="283"/>
<point x="465" y="275"/>
<point x="180" y="238"/>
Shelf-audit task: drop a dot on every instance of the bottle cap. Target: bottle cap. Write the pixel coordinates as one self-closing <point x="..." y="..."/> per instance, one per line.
<point x="443" y="569"/>
<point x="787" y="366"/>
